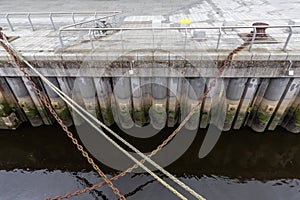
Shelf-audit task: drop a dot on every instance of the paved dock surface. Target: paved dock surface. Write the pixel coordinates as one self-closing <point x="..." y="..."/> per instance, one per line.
<point x="279" y="8"/>
<point x="44" y="42"/>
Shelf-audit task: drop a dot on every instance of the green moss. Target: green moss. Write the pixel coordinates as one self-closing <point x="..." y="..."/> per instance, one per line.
<point x="172" y="115"/>
<point x="277" y="117"/>
<point x="63" y="114"/>
<point x="297" y="117"/>
<point x="263" y="117"/>
<point x="240" y="119"/>
<point x="147" y="107"/>
<point x="241" y="116"/>
<point x="107" y="116"/>
<point x="229" y="117"/>
<point x="204" y="119"/>
<point x="6" y="109"/>
<point x="2" y="124"/>
<point x="31" y="112"/>
<point x="139" y="117"/>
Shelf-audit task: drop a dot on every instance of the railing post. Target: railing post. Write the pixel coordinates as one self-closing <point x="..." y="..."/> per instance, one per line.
<point x="122" y="40"/>
<point x="30" y="22"/>
<point x="153" y="39"/>
<point x="185" y="41"/>
<point x="114" y="24"/>
<point x="219" y="39"/>
<point x="91" y="40"/>
<point x="50" y="15"/>
<point x="288" y="38"/>
<point x="60" y="39"/>
<point x="8" y="21"/>
<point x="73" y="18"/>
<point x="253" y="38"/>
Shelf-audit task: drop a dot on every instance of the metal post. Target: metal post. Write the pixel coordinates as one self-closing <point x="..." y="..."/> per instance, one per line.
<point x="60" y="39"/>
<point x="91" y="40"/>
<point x="185" y="41"/>
<point x="8" y="21"/>
<point x="95" y="15"/>
<point x="253" y="38"/>
<point x="288" y="38"/>
<point x="114" y="24"/>
<point x="219" y="39"/>
<point x="73" y="18"/>
<point x="50" y="15"/>
<point x="122" y="40"/>
<point x="28" y="16"/>
<point x="153" y="39"/>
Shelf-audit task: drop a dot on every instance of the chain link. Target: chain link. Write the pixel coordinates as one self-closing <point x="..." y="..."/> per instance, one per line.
<point x="47" y="103"/>
<point x="165" y="142"/>
<point x="155" y="151"/>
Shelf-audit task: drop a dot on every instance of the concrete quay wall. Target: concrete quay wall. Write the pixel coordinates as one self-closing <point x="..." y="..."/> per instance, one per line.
<point x="158" y="63"/>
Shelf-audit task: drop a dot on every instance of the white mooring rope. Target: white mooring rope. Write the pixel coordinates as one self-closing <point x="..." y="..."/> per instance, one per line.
<point x="75" y="106"/>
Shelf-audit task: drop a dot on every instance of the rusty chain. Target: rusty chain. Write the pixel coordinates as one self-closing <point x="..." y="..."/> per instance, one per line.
<point x="85" y="154"/>
<point x="227" y="61"/>
<point x="47" y="103"/>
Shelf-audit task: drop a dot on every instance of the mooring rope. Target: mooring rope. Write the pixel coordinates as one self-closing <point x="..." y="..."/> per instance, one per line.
<point x="221" y="69"/>
<point x="4" y="43"/>
<point x="72" y="103"/>
<point x="212" y="84"/>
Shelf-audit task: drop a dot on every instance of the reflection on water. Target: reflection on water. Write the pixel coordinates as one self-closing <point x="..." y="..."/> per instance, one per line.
<point x="41" y="184"/>
<point x="36" y="163"/>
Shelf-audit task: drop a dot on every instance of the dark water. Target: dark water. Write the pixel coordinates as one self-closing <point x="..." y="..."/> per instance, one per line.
<point x="37" y="163"/>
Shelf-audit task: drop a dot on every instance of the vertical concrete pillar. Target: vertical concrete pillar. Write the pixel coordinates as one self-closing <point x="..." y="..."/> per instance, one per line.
<point x="104" y="93"/>
<point x="5" y="111"/>
<point x="183" y="100"/>
<point x="268" y="104"/>
<point x="67" y="86"/>
<point x="285" y="103"/>
<point x="195" y="93"/>
<point x="146" y="96"/>
<point x="137" y="102"/>
<point x="234" y="92"/>
<point x="256" y="101"/>
<point x="43" y="111"/>
<point x="291" y="121"/>
<point x="211" y="99"/>
<point x="174" y="87"/>
<point x="245" y="104"/>
<point x="11" y="115"/>
<point x="158" y="112"/>
<point x="88" y="92"/>
<point x="57" y="103"/>
<point x="122" y="94"/>
<point x="24" y="100"/>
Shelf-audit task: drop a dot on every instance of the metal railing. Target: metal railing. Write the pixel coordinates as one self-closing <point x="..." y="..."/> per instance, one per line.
<point x="85" y="27"/>
<point x="281" y="42"/>
<point x="51" y="16"/>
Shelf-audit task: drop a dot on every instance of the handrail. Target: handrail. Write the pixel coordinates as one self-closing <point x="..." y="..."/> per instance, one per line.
<point x="77" y="26"/>
<point x="60" y="13"/>
<point x="180" y="28"/>
<point x="218" y="28"/>
<point x="84" y="22"/>
<point x="52" y="14"/>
